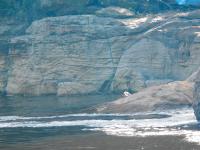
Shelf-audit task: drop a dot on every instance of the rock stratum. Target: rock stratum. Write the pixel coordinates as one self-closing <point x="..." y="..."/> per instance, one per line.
<point x="100" y="48"/>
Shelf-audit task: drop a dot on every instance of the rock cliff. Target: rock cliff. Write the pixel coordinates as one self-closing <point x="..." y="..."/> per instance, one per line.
<point x="196" y="96"/>
<point x="101" y="47"/>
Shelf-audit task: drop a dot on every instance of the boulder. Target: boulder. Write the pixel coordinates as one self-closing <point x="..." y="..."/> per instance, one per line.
<point x="166" y="96"/>
<point x="158" y="97"/>
<point x="115" y="12"/>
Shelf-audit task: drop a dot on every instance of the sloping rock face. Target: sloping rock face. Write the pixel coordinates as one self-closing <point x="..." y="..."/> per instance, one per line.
<point x="166" y="96"/>
<point x="82" y="54"/>
<point x="158" y="97"/>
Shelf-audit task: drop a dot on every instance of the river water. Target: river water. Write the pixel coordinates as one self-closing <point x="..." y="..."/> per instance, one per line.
<point x="28" y="119"/>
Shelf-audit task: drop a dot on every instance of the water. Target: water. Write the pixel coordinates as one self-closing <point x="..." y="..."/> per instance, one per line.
<point x="25" y="120"/>
<point x="49" y="105"/>
<point x="40" y="110"/>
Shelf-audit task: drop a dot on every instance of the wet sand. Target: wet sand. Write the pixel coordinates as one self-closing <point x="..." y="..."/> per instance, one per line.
<point x="105" y="142"/>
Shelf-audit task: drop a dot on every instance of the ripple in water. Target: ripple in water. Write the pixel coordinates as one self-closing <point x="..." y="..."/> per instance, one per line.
<point x="178" y="122"/>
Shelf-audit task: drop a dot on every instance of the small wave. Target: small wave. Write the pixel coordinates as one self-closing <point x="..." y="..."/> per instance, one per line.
<point x="13" y="118"/>
<point x="135" y="116"/>
<point x="177" y="123"/>
<point x="176" y="118"/>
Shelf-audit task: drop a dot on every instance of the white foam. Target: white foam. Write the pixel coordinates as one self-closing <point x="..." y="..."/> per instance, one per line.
<point x="13" y="118"/>
<point x="132" y="127"/>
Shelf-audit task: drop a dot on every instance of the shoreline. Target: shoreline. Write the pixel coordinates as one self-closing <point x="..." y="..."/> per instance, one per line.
<point x="99" y="141"/>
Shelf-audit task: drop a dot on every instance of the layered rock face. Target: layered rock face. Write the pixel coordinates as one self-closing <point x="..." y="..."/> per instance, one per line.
<point x="94" y="50"/>
<point x="96" y="53"/>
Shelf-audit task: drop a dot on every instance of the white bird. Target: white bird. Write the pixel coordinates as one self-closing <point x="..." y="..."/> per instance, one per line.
<point x="126" y="94"/>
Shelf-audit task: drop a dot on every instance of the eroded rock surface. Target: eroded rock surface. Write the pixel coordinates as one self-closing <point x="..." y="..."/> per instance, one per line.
<point x="104" y="46"/>
<point x="82" y="54"/>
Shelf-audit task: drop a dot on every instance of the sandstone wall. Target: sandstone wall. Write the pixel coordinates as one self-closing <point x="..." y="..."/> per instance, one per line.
<point x="62" y="47"/>
<point x="79" y="54"/>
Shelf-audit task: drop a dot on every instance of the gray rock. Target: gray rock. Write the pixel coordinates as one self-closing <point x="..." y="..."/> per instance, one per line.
<point x="164" y="96"/>
<point x="83" y="54"/>
<point x="196" y="95"/>
<point x="115" y="12"/>
<point x="3" y="72"/>
<point x="158" y="97"/>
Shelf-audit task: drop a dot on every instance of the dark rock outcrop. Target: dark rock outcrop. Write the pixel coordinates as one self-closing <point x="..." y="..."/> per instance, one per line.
<point x="196" y="93"/>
